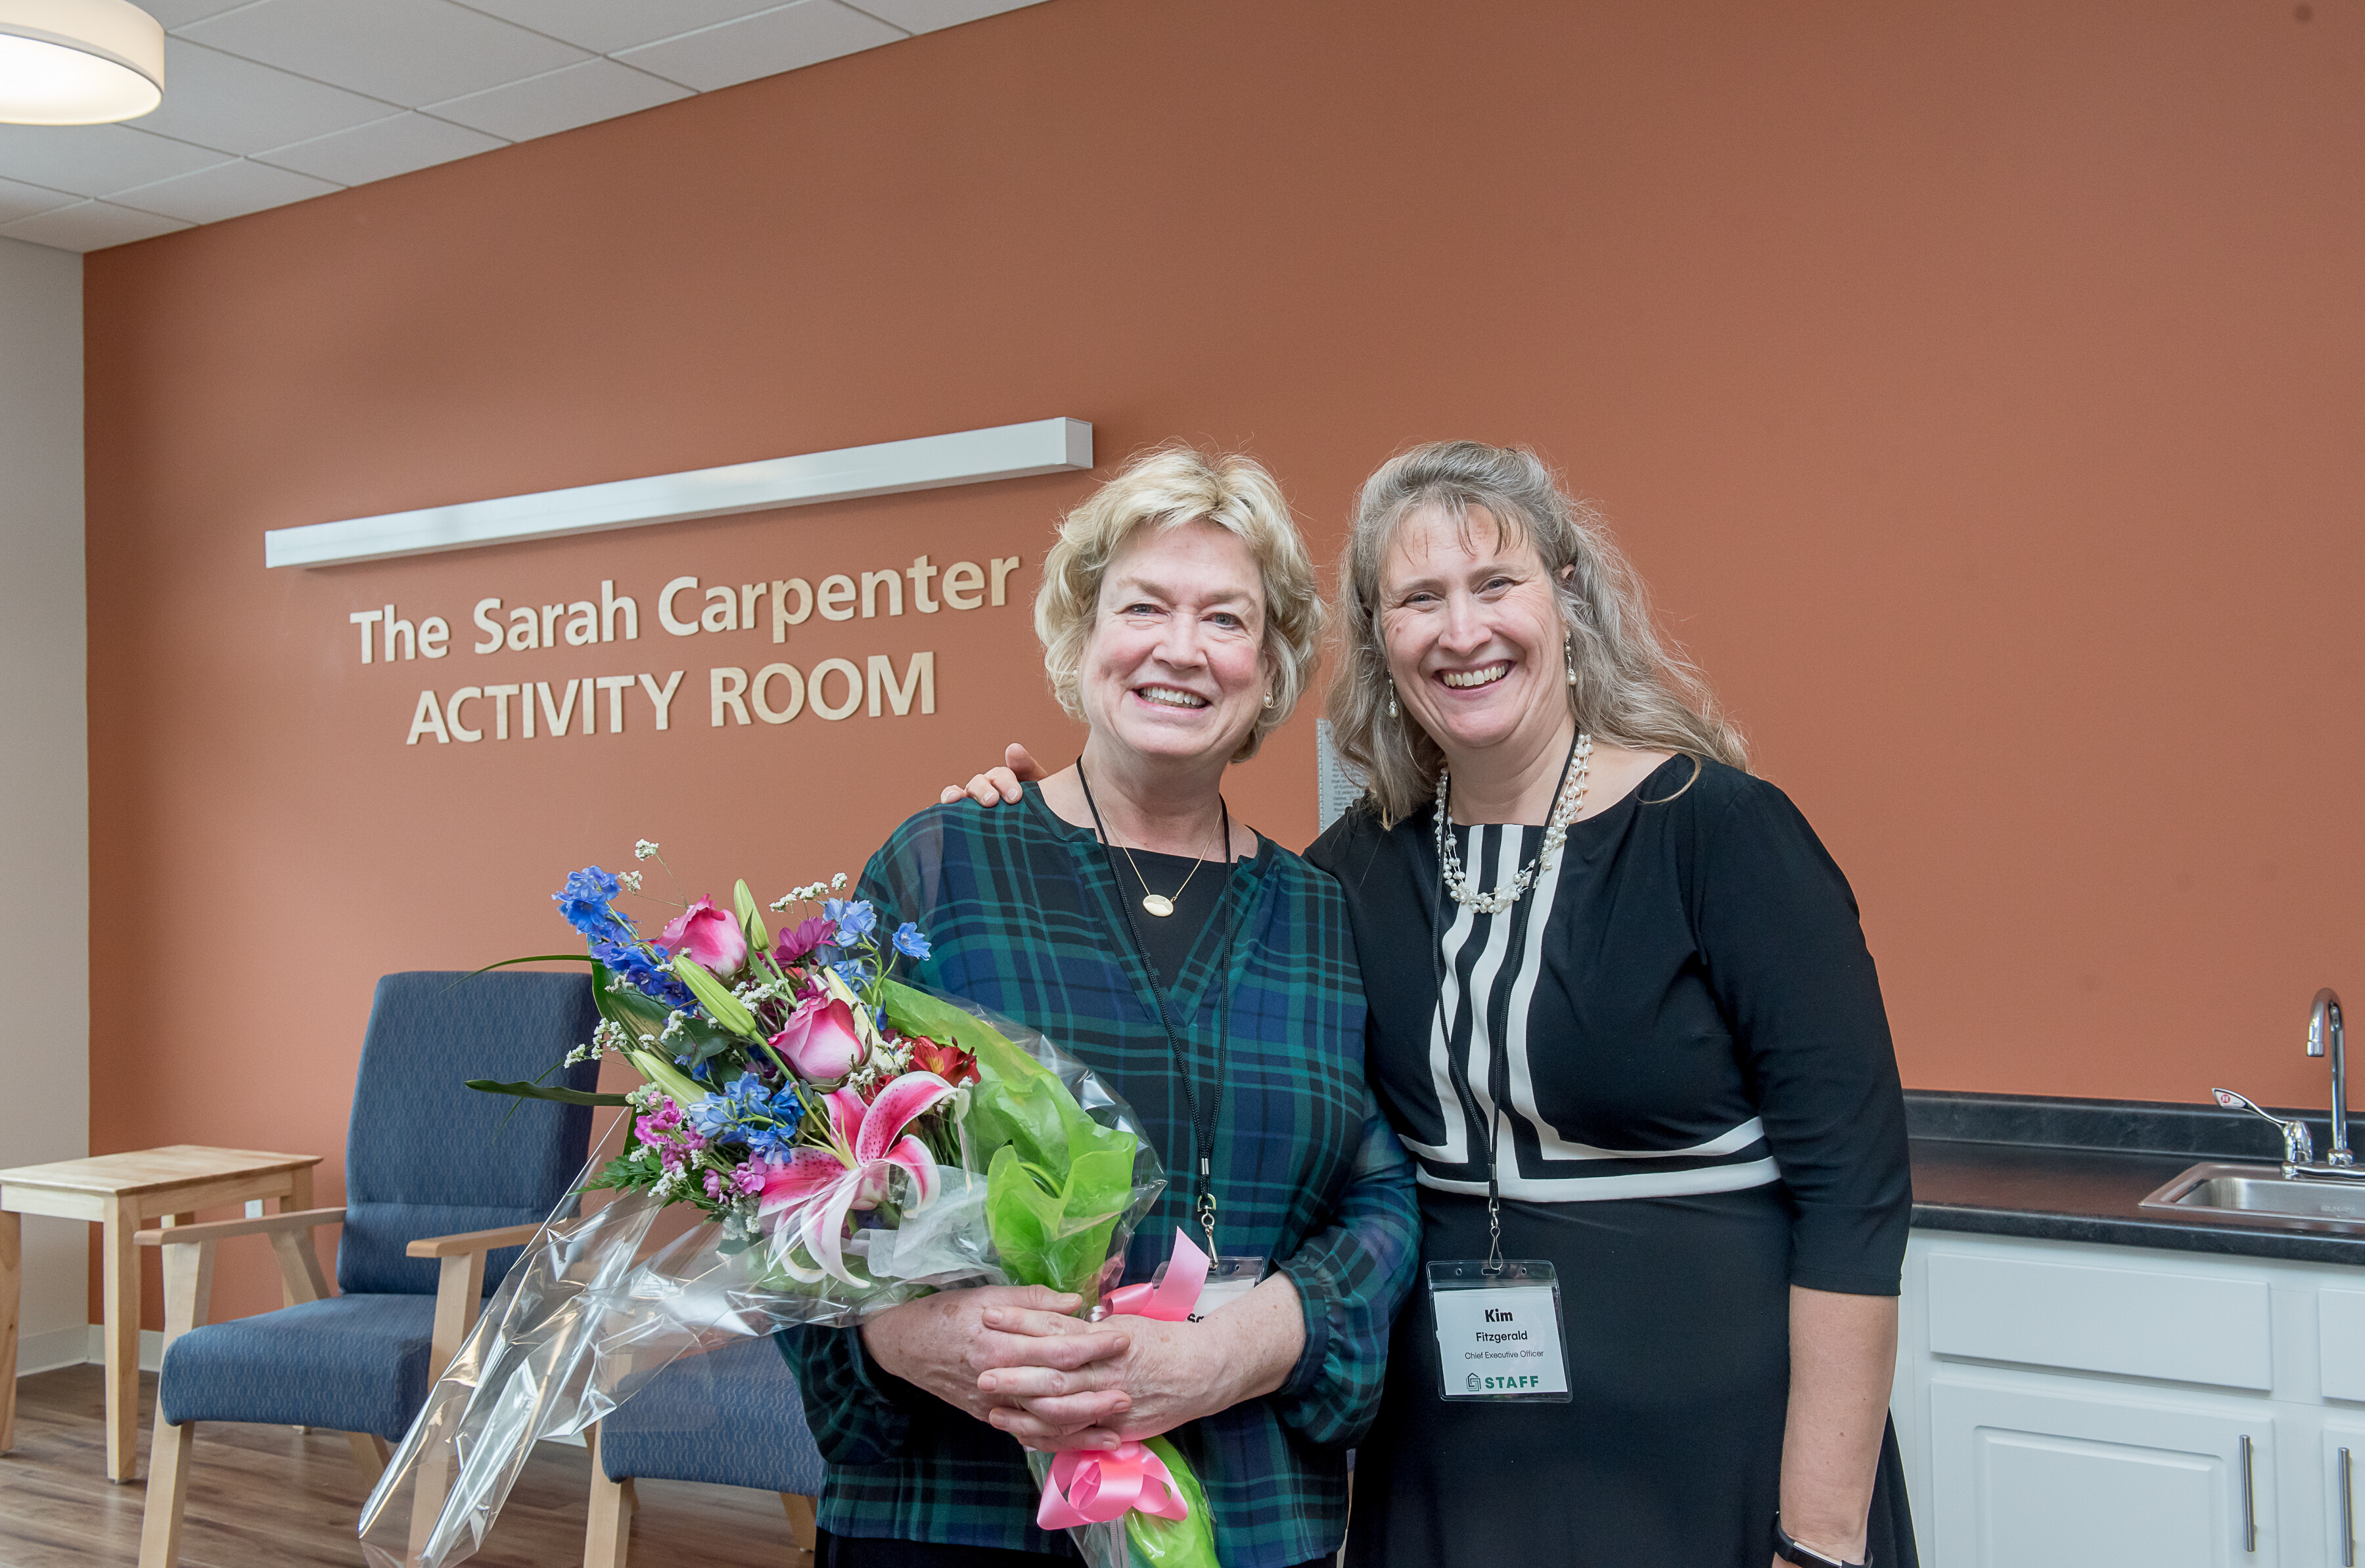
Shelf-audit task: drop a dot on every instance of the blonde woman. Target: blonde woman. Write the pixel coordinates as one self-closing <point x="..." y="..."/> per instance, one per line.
<point x="1624" y="1016"/>
<point x="1209" y="976"/>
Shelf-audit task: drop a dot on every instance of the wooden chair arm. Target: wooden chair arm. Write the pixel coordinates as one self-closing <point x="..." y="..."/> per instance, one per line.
<point x="473" y="1241"/>
<point x="460" y="1281"/>
<point x="223" y="1229"/>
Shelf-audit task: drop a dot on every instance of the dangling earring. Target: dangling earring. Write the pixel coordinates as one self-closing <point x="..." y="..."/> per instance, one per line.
<point x="1568" y="648"/>
<point x="1392" y="700"/>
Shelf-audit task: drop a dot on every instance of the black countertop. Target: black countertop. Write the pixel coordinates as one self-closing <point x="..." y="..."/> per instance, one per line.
<point x="2079" y="1169"/>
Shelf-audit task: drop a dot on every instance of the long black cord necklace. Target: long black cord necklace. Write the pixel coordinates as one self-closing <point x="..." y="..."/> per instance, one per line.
<point x="1202" y="1130"/>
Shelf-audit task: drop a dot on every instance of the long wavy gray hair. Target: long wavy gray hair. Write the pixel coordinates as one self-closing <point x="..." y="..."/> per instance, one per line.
<point x="1631" y="688"/>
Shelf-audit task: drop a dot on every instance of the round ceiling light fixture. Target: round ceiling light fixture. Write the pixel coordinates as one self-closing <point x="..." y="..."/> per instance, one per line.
<point x="78" y="61"/>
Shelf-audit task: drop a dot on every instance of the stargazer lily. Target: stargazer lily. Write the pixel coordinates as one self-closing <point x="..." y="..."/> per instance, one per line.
<point x="867" y="1145"/>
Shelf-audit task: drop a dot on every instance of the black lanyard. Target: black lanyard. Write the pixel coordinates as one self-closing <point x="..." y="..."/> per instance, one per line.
<point x="1202" y="1130"/>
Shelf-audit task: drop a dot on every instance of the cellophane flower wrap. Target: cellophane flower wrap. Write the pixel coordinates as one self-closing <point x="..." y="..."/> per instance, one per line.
<point x="813" y="1141"/>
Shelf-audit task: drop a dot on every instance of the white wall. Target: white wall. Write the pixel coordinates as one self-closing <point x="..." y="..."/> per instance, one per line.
<point x="44" y="776"/>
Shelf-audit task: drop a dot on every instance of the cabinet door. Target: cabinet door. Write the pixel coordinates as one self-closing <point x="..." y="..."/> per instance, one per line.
<point x="2047" y="1472"/>
<point x="2343" y="1470"/>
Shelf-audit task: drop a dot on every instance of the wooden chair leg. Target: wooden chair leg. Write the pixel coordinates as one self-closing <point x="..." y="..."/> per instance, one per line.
<point x="370" y="1454"/>
<point x="800" y="1528"/>
<point x="608" y="1537"/>
<point x="188" y="1289"/>
<point x="168" y="1485"/>
<point x="11" y="1276"/>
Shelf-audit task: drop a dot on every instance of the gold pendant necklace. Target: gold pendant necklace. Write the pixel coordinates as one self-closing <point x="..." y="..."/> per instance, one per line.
<point x="1158" y="904"/>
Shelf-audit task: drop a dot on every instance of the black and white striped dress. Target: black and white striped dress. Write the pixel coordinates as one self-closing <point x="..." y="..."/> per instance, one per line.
<point x="1680" y="1037"/>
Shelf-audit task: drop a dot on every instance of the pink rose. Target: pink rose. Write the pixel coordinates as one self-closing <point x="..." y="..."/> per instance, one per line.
<point x="808" y="936"/>
<point x="709" y="935"/>
<point x="820" y="1043"/>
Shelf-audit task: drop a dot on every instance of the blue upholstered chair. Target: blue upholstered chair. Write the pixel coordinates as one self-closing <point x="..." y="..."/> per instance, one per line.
<point x="732" y="1417"/>
<point x="442" y="1184"/>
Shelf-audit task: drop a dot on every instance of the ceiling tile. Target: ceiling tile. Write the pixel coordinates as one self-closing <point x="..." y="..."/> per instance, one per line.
<point x="927" y="15"/>
<point x="22" y="201"/>
<point x="235" y="106"/>
<point x="180" y="13"/>
<point x="783" y="39"/>
<point x="381" y="150"/>
<point x="561" y="100"/>
<point x="608" y="26"/>
<point x="406" y="51"/>
<point x="211" y="194"/>
<point x="90" y="226"/>
<point x="91" y="159"/>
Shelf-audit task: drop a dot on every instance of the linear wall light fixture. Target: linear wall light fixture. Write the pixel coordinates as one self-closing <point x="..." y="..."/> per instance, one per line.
<point x="78" y="61"/>
<point x="892" y="468"/>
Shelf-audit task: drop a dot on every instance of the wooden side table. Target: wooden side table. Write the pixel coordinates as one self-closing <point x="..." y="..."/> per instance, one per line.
<point x="117" y="1192"/>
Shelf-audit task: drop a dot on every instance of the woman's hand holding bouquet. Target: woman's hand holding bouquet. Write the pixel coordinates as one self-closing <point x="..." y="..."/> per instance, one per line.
<point x="857" y="1146"/>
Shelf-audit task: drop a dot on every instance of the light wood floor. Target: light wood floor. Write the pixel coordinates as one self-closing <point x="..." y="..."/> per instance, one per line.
<point x="273" y="1497"/>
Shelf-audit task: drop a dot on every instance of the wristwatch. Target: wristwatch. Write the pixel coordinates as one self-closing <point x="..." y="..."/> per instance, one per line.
<point x="1789" y="1550"/>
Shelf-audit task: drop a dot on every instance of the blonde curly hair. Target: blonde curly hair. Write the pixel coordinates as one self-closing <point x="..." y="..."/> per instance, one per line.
<point x="1166" y="488"/>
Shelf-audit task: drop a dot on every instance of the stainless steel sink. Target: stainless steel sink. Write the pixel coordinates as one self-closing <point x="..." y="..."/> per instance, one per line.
<point x="2263" y="1195"/>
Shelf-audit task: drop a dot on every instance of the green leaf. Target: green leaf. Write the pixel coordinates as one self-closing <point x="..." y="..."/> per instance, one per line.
<point x="683" y="1089"/>
<point x="751" y="919"/>
<point x="627" y="1008"/>
<point x="714" y="996"/>
<point x="915" y="1011"/>
<point x="699" y="1040"/>
<point x="534" y="958"/>
<point x="544" y="1091"/>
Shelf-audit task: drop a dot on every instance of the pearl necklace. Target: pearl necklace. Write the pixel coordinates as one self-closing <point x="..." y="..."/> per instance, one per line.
<point x="1449" y="858"/>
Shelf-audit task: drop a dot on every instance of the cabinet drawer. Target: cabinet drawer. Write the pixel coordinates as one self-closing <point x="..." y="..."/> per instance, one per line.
<point x="2197" y="1328"/>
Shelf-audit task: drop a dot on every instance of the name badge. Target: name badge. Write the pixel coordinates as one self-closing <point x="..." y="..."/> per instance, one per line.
<point x="1498" y="1335"/>
<point x="1228" y="1278"/>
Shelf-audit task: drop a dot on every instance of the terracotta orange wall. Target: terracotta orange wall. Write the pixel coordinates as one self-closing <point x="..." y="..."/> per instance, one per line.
<point x="1978" y="386"/>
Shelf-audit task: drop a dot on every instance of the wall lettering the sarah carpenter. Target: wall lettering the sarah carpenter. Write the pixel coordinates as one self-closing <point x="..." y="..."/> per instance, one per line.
<point x="774" y="693"/>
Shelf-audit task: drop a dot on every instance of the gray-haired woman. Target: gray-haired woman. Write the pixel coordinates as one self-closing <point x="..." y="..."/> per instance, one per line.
<point x="1624" y="1016"/>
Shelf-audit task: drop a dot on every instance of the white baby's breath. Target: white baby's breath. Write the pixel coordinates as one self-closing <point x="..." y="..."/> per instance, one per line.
<point x="642" y="849"/>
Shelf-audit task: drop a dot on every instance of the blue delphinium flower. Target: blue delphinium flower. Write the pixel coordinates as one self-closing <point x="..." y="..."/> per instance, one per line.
<point x="584" y="902"/>
<point x="747" y="1111"/>
<point x="771" y="1143"/>
<point x="712" y="1116"/>
<point x="909" y="941"/>
<point x="854" y="918"/>
<point x="643" y="972"/>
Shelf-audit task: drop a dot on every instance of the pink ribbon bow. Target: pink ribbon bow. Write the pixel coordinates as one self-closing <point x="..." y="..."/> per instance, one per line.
<point x="1172" y="1298"/>
<point x="1090" y="1488"/>
<point x="1087" y="1488"/>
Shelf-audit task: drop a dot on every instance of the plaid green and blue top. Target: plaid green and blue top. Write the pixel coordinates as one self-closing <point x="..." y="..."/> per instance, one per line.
<point x="1025" y="920"/>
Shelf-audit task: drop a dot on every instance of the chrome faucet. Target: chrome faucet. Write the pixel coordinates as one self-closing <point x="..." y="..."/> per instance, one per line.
<point x="2299" y="1146"/>
<point x="2323" y="1031"/>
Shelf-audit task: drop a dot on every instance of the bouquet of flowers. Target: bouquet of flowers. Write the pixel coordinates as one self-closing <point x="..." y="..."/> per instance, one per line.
<point x="836" y="1141"/>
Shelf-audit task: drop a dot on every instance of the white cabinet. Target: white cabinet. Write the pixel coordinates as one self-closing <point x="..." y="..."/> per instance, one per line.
<point x="2066" y="1403"/>
<point x="2339" y="1467"/>
<point x="2053" y="1473"/>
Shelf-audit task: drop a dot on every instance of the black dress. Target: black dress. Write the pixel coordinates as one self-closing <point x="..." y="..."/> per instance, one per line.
<point x="1699" y="1109"/>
